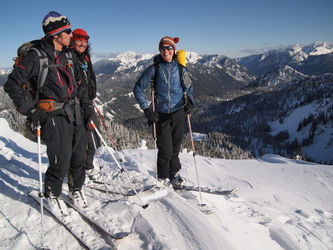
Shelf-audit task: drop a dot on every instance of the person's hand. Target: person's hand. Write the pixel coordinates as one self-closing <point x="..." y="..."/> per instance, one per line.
<point x="37" y="115"/>
<point x="188" y="108"/>
<point x="87" y="114"/>
<point x="151" y="115"/>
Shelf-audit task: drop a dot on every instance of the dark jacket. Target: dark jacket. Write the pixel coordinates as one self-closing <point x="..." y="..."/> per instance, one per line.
<point x="59" y="86"/>
<point x="169" y="86"/>
<point x="87" y="84"/>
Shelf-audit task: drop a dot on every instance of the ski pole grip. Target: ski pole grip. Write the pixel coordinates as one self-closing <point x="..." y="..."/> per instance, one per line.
<point x="93" y="125"/>
<point x="38" y="130"/>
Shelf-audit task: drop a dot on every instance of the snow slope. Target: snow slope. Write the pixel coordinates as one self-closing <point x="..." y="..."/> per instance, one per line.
<point x="281" y="203"/>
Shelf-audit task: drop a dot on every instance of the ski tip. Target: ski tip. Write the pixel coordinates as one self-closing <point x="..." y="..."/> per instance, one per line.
<point x="145" y="206"/>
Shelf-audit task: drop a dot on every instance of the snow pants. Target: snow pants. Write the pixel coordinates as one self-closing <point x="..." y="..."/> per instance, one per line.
<point x="65" y="143"/>
<point x="170" y="132"/>
<point x="92" y="143"/>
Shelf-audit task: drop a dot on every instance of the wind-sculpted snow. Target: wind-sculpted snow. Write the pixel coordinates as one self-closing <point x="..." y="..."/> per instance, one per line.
<point x="280" y="204"/>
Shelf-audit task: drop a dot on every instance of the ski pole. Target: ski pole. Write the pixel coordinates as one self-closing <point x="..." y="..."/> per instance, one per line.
<point x="99" y="163"/>
<point x="41" y="195"/>
<point x="122" y="170"/>
<point x="154" y="128"/>
<point x="195" y="164"/>
<point x="114" y="146"/>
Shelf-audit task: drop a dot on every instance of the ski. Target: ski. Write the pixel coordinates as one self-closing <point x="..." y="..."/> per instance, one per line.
<point x="186" y="194"/>
<point x="210" y="190"/>
<point x="98" y="221"/>
<point x="74" y="225"/>
<point x="124" y="192"/>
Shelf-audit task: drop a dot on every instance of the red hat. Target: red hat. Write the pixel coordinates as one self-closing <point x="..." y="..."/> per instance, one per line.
<point x="169" y="41"/>
<point x="80" y="34"/>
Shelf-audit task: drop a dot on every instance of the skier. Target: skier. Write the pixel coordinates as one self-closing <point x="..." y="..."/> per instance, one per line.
<point x="173" y="101"/>
<point x="81" y="47"/>
<point x="58" y="109"/>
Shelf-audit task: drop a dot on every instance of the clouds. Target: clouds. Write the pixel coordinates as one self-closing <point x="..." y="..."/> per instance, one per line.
<point x="103" y="55"/>
<point x="252" y="51"/>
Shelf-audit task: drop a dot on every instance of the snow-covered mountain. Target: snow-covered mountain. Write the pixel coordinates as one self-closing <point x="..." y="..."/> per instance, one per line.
<point x="218" y="71"/>
<point x="5" y="71"/>
<point x="312" y="59"/>
<point x="280" y="204"/>
<point x="123" y="62"/>
<point x="282" y="77"/>
<point x="287" y="77"/>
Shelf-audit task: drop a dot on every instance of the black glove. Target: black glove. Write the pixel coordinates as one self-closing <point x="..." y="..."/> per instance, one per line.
<point x="37" y="115"/>
<point x="188" y="107"/>
<point x="151" y="115"/>
<point x="87" y="114"/>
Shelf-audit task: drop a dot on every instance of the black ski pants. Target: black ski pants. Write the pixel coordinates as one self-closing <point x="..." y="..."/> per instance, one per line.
<point x="170" y="132"/>
<point x="65" y="143"/>
<point x="92" y="143"/>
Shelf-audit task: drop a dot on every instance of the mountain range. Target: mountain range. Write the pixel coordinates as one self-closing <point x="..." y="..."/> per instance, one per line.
<point x="275" y="102"/>
<point x="312" y="59"/>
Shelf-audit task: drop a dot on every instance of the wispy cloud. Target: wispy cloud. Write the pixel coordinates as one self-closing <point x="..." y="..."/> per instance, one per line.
<point x="264" y="49"/>
<point x="104" y="55"/>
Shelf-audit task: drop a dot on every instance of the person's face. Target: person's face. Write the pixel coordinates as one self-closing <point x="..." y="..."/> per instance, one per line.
<point x="63" y="39"/>
<point x="167" y="52"/>
<point x="80" y="46"/>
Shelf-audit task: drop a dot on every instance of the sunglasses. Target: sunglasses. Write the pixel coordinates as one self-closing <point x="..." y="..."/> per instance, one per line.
<point x="169" y="47"/>
<point x="67" y="31"/>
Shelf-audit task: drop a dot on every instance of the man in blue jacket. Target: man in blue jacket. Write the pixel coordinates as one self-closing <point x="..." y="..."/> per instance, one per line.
<point x="173" y="100"/>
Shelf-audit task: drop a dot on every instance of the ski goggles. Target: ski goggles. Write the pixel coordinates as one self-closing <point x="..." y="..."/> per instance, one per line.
<point x="169" y="47"/>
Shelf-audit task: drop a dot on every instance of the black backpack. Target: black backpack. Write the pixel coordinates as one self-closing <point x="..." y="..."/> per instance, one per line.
<point x="31" y="93"/>
<point x="44" y="65"/>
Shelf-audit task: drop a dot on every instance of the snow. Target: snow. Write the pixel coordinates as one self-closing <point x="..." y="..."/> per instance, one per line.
<point x="321" y="48"/>
<point x="129" y="59"/>
<point x="322" y="145"/>
<point x="5" y="71"/>
<point x="281" y="203"/>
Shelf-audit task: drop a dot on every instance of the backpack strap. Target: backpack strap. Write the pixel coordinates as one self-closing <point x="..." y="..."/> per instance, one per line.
<point x="70" y="62"/>
<point x="43" y="69"/>
<point x="154" y="80"/>
<point x="180" y="69"/>
<point x="44" y="65"/>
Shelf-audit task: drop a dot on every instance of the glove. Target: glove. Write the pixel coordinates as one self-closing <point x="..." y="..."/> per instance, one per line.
<point x="87" y="113"/>
<point x="37" y="115"/>
<point x="188" y="107"/>
<point x="151" y="115"/>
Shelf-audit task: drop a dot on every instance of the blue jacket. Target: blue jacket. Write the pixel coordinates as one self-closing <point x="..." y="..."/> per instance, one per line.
<point x="169" y="88"/>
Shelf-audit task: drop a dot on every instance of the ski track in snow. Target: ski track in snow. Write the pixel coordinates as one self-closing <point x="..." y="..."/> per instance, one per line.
<point x="280" y="204"/>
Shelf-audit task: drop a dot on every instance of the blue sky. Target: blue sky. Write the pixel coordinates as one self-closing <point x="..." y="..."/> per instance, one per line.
<point x="233" y="28"/>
